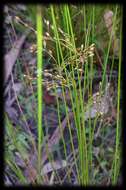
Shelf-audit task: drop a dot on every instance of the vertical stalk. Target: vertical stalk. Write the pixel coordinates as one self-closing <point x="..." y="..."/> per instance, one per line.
<point x="39" y="83"/>
<point x="118" y="127"/>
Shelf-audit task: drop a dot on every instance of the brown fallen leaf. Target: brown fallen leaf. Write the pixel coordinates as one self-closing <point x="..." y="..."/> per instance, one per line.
<point x="12" y="112"/>
<point x="17" y="87"/>
<point x="48" y="99"/>
<point x="11" y="57"/>
<point x="51" y="166"/>
<point x="108" y="18"/>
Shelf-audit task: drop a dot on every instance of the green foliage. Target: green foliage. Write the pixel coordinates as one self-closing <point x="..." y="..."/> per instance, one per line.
<point x="69" y="31"/>
<point x="32" y="13"/>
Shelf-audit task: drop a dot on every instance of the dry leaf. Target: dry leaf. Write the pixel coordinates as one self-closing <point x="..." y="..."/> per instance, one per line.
<point x="51" y="181"/>
<point x="12" y="112"/>
<point x="17" y="87"/>
<point x="53" y="166"/>
<point x="48" y="99"/>
<point x="108" y="18"/>
<point x="11" y="57"/>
